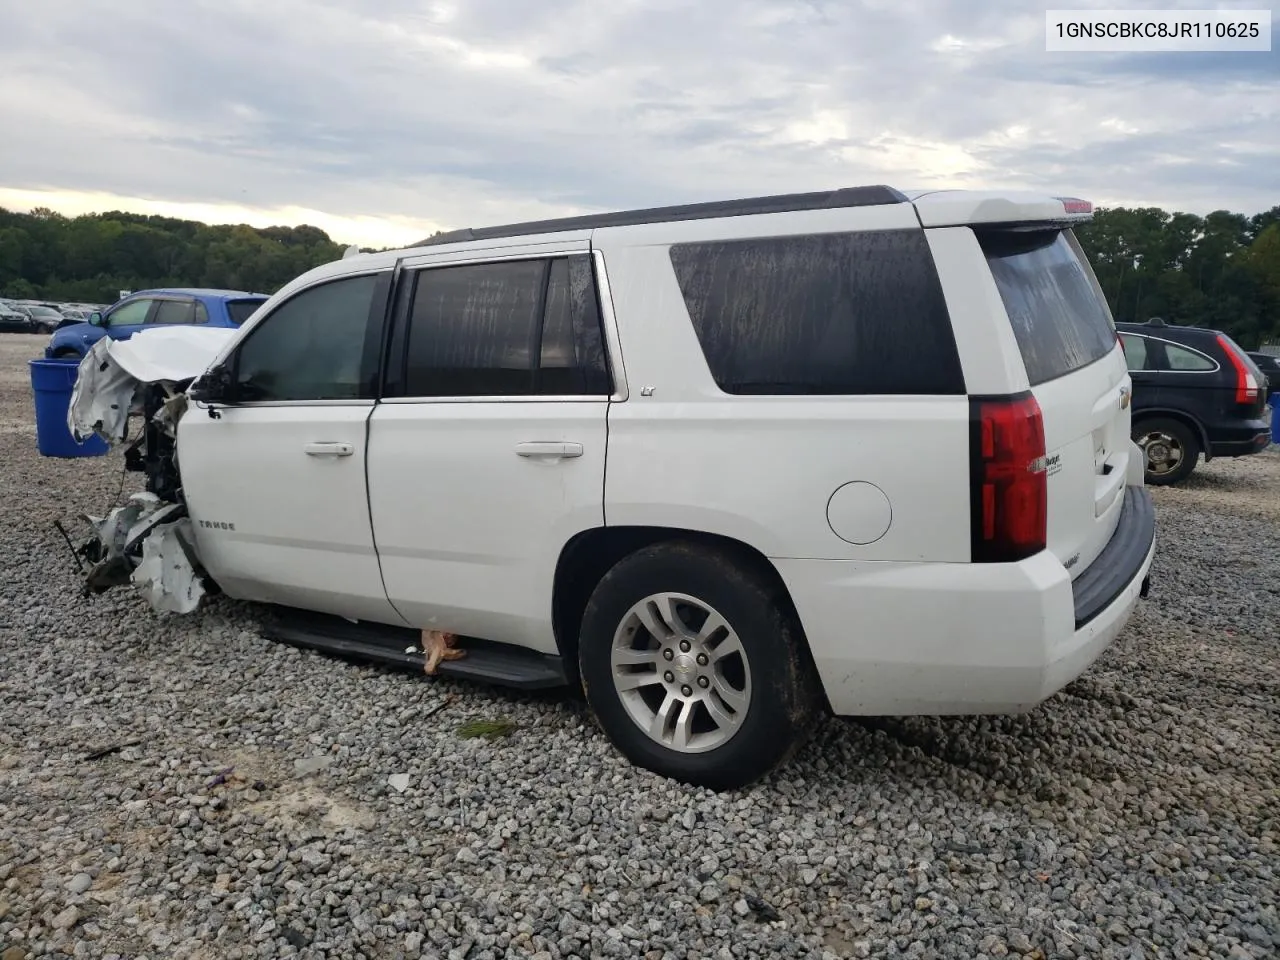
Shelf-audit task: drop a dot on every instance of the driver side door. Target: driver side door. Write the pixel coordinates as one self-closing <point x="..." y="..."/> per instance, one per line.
<point x="275" y="478"/>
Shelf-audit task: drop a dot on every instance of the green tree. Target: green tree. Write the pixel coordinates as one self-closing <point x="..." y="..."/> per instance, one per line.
<point x="92" y="257"/>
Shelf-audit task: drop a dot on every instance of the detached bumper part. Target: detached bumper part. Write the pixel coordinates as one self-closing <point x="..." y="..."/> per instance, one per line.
<point x="149" y="543"/>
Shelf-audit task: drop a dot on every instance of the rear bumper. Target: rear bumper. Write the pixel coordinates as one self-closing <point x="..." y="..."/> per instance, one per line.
<point x="959" y="638"/>
<point x="1256" y="440"/>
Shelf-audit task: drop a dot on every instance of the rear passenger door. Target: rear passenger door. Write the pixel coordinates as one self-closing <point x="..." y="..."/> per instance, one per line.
<point x="487" y="453"/>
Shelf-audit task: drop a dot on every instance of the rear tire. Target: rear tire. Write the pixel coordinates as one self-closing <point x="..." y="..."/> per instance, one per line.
<point x="1170" y="448"/>
<point x="695" y="667"/>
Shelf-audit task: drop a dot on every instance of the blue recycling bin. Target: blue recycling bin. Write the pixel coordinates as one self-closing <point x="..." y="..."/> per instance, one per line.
<point x="52" y="382"/>
<point x="1275" y="418"/>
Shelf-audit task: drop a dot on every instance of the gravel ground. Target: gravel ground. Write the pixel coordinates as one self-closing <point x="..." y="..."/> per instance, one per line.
<point x="1133" y="815"/>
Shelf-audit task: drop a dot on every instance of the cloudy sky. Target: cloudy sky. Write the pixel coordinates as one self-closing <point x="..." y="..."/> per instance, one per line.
<point x="383" y="120"/>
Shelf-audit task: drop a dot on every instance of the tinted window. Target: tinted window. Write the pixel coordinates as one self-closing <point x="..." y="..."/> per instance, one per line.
<point x="242" y="310"/>
<point x="856" y="313"/>
<point x="1180" y="358"/>
<point x="572" y="356"/>
<point x="516" y="328"/>
<point x="311" y="347"/>
<point x="1135" y="351"/>
<point x="1059" y="315"/>
<point x="131" y="314"/>
<point x="173" y="311"/>
<point x="202" y="314"/>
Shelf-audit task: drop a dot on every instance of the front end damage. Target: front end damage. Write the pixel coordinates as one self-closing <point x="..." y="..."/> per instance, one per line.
<point x="148" y="542"/>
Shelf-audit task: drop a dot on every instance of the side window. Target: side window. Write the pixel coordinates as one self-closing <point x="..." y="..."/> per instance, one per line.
<point x="202" y="314"/>
<point x="572" y="355"/>
<point x="513" y="328"/>
<point x="1180" y="358"/>
<point x="172" y="311"/>
<point x="311" y="347"/>
<point x="1135" y="352"/>
<point x="851" y="313"/>
<point x="242" y="310"/>
<point x="131" y="314"/>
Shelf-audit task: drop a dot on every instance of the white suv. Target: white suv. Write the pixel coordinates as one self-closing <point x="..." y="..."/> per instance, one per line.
<point x="729" y="465"/>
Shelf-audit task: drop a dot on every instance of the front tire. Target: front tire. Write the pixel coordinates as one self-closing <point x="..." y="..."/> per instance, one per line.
<point x="65" y="353"/>
<point x="1170" y="448"/>
<point x="695" y="667"/>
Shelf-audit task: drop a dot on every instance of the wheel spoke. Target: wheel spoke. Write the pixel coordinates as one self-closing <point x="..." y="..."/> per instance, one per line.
<point x="633" y="681"/>
<point x="713" y="625"/>
<point x="630" y="657"/>
<point x="726" y="648"/>
<point x="684" y="726"/>
<point x="735" y="700"/>
<point x="662" y="719"/>
<point x="659" y="617"/>
<point x="721" y="718"/>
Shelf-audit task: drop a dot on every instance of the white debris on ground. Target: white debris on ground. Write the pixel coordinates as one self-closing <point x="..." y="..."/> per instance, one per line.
<point x="167" y="576"/>
<point x="180" y="787"/>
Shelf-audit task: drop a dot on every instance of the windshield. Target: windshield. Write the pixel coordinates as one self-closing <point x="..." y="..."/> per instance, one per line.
<point x="46" y="312"/>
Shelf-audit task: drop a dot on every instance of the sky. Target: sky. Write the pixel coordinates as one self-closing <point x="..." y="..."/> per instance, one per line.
<point x="381" y="121"/>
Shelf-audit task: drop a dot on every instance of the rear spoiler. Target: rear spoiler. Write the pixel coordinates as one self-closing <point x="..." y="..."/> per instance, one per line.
<point x="956" y="208"/>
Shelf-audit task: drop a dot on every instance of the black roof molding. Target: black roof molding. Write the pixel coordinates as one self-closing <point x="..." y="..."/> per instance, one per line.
<point x="871" y="196"/>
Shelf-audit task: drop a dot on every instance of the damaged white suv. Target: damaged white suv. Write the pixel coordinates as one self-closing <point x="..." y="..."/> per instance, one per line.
<point x="730" y="466"/>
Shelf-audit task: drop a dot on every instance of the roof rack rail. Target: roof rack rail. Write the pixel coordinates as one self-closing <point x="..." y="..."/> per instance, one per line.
<point x="869" y="196"/>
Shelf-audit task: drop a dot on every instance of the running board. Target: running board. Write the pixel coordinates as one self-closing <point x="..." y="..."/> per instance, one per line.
<point x="500" y="664"/>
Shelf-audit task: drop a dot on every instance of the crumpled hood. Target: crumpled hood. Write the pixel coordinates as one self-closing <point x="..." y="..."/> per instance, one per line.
<point x="111" y="372"/>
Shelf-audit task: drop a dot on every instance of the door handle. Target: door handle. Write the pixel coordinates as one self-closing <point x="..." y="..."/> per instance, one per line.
<point x="328" y="449"/>
<point x="554" y="449"/>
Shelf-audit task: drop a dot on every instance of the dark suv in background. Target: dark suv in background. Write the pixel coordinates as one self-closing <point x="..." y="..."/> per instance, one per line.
<point x="1269" y="364"/>
<point x="1194" y="391"/>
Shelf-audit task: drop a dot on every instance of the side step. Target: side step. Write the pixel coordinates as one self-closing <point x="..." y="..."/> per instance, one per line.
<point x="488" y="662"/>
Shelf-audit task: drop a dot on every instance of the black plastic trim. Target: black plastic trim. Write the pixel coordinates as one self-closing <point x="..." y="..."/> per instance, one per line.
<point x="1120" y="560"/>
<point x="488" y="662"/>
<point x="869" y="196"/>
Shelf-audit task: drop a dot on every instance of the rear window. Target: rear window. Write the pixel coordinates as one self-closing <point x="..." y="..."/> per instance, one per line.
<point x="826" y="314"/>
<point x="242" y="310"/>
<point x="1059" y="315"/>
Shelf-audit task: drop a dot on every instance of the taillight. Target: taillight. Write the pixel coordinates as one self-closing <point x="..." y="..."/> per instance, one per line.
<point x="1247" y="389"/>
<point x="1009" y="487"/>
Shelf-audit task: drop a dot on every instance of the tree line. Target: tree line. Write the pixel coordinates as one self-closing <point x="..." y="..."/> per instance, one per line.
<point x="1220" y="271"/>
<point x="91" y="258"/>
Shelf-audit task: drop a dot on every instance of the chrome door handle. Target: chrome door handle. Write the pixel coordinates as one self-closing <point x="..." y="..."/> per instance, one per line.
<point x="556" y="449"/>
<point x="326" y="449"/>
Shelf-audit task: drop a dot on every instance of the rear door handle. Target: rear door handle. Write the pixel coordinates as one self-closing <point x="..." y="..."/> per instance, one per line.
<point x="328" y="449"/>
<point x="556" y="449"/>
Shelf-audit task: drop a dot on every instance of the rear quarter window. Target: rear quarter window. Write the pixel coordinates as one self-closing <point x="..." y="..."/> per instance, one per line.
<point x="824" y="314"/>
<point x="242" y="310"/>
<point x="1060" y="318"/>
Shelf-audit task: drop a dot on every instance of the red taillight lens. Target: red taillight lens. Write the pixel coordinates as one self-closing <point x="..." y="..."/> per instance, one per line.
<point x="1010" y="497"/>
<point x="1247" y="389"/>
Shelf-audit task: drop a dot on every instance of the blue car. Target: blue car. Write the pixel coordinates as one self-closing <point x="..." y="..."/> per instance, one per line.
<point x="154" y="308"/>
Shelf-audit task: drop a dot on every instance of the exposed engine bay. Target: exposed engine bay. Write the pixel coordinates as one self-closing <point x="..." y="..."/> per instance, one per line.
<point x="150" y="540"/>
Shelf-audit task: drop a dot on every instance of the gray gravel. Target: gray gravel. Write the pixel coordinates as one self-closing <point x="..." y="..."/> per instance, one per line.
<point x="278" y="803"/>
